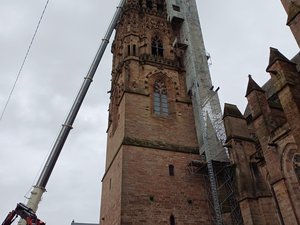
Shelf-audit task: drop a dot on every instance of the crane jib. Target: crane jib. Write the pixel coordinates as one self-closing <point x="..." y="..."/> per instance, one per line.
<point x="39" y="188"/>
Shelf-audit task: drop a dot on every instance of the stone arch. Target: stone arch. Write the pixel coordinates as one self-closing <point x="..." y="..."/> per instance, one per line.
<point x="159" y="33"/>
<point x="170" y="90"/>
<point x="159" y="75"/>
<point x="156" y="28"/>
<point x="288" y="152"/>
<point x="288" y="171"/>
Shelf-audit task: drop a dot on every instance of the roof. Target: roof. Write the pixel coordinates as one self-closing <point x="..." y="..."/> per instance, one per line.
<point x="275" y="55"/>
<point x="252" y="85"/>
<point x="232" y="111"/>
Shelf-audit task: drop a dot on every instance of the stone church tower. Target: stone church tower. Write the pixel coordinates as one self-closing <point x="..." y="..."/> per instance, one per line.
<point x="151" y="132"/>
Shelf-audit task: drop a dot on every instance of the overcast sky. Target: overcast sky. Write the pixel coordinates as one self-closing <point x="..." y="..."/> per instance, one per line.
<point x="237" y="35"/>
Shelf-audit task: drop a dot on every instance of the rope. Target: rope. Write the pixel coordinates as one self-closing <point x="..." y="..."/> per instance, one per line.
<point x="24" y="61"/>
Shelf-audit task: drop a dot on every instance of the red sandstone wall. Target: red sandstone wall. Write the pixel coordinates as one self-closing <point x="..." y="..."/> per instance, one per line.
<point x="146" y="174"/>
<point x="110" y="212"/>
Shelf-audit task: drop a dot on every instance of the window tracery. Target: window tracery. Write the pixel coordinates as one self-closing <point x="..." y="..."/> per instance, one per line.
<point x="157" y="47"/>
<point x="160" y="98"/>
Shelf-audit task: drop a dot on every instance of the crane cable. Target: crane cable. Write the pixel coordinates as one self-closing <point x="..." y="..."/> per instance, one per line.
<point x="24" y="61"/>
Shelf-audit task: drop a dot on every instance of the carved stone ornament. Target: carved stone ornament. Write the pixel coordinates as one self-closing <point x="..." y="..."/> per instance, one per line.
<point x="156" y="25"/>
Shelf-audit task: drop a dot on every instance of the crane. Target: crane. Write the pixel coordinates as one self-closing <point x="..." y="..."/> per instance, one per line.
<point x="27" y="212"/>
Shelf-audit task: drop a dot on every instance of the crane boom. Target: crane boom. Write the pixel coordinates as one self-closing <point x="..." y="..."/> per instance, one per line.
<point x="67" y="126"/>
<point x="40" y="187"/>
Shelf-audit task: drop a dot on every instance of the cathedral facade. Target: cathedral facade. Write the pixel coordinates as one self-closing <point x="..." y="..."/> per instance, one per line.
<point x="264" y="142"/>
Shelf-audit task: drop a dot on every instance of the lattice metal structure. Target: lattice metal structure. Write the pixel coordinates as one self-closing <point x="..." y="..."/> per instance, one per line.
<point x="224" y="174"/>
<point x="206" y="106"/>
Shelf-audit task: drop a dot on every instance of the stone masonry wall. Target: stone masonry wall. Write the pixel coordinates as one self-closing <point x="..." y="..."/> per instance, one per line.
<point x="150" y="195"/>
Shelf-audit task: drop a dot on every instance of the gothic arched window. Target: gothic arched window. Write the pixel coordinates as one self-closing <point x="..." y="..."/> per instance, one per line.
<point x="160" y="98"/>
<point x="157" y="47"/>
<point x="296" y="161"/>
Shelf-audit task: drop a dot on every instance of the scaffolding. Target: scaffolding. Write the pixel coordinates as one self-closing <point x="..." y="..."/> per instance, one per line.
<point x="224" y="174"/>
<point x="207" y="112"/>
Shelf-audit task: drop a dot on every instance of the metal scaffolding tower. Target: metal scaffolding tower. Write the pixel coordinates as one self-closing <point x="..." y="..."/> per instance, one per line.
<point x="206" y="106"/>
<point x="225" y="189"/>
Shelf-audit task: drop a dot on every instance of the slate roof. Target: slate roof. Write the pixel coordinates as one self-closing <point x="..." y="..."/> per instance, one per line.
<point x="233" y="111"/>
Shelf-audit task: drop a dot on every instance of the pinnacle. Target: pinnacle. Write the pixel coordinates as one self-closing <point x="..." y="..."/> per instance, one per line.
<point x="275" y="55"/>
<point x="252" y="85"/>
